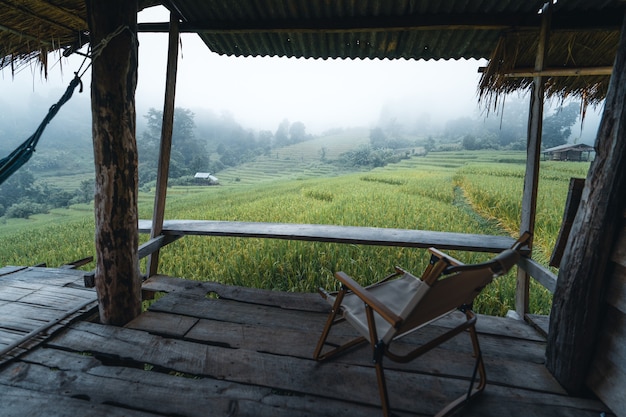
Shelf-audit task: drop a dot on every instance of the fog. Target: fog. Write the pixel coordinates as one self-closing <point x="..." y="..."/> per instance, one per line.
<point x="261" y="92"/>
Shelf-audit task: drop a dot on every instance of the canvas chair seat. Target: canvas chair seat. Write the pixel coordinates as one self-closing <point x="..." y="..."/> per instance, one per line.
<point x="402" y="303"/>
<point x="401" y="296"/>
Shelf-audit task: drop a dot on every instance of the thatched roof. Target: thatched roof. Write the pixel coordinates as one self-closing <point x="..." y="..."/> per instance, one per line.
<point x="29" y="29"/>
<point x="583" y="36"/>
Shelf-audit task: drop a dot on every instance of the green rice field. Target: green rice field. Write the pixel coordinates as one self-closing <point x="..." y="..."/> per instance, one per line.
<point x="468" y="192"/>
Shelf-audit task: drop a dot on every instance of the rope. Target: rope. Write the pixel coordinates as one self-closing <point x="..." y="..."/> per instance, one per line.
<point x="21" y="155"/>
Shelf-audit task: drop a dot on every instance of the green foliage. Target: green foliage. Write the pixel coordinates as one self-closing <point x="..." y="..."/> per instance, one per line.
<point x="467" y="192"/>
<point x="24" y="210"/>
<point x="557" y="127"/>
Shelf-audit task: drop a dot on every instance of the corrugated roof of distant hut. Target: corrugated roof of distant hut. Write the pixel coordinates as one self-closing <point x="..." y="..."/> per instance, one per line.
<point x="583" y="39"/>
<point x="579" y="147"/>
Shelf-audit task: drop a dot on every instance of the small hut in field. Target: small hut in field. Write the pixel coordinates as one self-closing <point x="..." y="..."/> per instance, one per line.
<point x="568" y="152"/>
<point x="569" y="48"/>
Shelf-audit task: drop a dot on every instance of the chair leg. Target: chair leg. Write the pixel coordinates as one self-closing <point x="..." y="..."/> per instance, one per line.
<point x="379" y="351"/>
<point x="479" y="367"/>
<point x="330" y="321"/>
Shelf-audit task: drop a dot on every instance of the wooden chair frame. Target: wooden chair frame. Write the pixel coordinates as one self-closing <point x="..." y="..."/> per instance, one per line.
<point x="440" y="265"/>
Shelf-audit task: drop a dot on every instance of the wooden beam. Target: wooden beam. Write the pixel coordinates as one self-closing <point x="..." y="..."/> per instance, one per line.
<point x="167" y="128"/>
<point x="533" y="158"/>
<point x="156" y="243"/>
<point x="578" y="302"/>
<point x="560" y="72"/>
<point x="590" y="20"/>
<point x="112" y="26"/>
<point x="335" y="234"/>
<point x="555" y="72"/>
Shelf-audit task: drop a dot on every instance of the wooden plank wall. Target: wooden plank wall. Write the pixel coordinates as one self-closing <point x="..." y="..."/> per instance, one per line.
<point x="607" y="377"/>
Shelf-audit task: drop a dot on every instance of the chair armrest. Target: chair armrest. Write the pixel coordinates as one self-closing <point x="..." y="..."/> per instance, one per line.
<point x="439" y="254"/>
<point x="368" y="299"/>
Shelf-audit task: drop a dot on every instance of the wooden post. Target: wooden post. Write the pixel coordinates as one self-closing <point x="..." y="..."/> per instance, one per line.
<point x="581" y="286"/>
<point x="533" y="158"/>
<point x="167" y="128"/>
<point x="113" y="32"/>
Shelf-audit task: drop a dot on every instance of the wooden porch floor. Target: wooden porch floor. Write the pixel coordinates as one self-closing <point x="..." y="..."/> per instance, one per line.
<point x="208" y="349"/>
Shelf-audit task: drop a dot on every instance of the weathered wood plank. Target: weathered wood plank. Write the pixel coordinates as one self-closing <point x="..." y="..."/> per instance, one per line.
<point x="336" y="234"/>
<point x="572" y="202"/>
<point x="300" y="343"/>
<point x="165" y="146"/>
<point x="169" y="324"/>
<point x="43" y="276"/>
<point x="410" y="392"/>
<point x="540" y="322"/>
<point x="579" y="297"/>
<point x="85" y="377"/>
<point x="7" y="270"/>
<point x="607" y="375"/>
<point x="287" y="300"/>
<point x="24" y="317"/>
<point x="19" y="402"/>
<point x="539" y="272"/>
<point x="616" y="292"/>
<point x="198" y="306"/>
<point x="267" y="318"/>
<point x="9" y="292"/>
<point x="155" y="244"/>
<point x="619" y="251"/>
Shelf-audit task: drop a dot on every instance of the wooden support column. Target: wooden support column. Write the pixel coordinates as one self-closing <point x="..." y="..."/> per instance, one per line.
<point x="577" y="308"/>
<point x="167" y="128"/>
<point x="113" y="33"/>
<point x="533" y="157"/>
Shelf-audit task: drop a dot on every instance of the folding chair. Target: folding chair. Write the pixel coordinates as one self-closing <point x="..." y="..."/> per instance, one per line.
<point x="402" y="303"/>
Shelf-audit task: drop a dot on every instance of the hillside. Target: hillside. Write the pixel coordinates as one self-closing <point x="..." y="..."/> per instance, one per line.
<point x="302" y="160"/>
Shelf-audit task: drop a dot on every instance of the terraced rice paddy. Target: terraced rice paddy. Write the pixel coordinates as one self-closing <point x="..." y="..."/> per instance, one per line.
<point x="472" y="192"/>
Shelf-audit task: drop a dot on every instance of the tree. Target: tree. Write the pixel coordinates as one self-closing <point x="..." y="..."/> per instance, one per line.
<point x="557" y="127"/>
<point x="189" y="154"/>
<point x="378" y="139"/>
<point x="281" y="137"/>
<point x="297" y="132"/>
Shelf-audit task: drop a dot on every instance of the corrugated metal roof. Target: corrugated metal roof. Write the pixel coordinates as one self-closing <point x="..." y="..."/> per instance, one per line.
<point x="409" y="29"/>
<point x="584" y="32"/>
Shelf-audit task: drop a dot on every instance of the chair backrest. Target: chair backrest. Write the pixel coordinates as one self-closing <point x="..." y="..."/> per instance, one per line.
<point x="457" y="286"/>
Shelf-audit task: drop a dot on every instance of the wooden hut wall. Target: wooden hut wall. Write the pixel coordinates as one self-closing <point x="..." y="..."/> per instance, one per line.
<point x="587" y="339"/>
<point x="607" y="376"/>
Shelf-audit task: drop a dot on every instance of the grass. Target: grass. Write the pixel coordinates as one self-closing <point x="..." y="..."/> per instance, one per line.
<point x="472" y="192"/>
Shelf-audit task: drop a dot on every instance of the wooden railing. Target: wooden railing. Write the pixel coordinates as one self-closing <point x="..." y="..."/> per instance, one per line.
<point x="175" y="229"/>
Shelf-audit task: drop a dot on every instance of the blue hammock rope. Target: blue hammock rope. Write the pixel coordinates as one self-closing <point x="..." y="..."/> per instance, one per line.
<point x="21" y="155"/>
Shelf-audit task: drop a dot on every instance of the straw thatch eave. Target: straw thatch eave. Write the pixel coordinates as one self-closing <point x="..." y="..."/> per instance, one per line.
<point x="30" y="29"/>
<point x="578" y="64"/>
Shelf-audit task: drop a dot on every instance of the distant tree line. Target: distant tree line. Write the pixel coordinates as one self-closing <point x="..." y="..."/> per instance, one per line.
<point x="21" y="196"/>
<point x="510" y="130"/>
<point x="383" y="148"/>
<point x="504" y="129"/>
<point x="216" y="143"/>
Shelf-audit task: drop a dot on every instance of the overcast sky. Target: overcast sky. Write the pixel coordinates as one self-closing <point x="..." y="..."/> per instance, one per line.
<point x="261" y="92"/>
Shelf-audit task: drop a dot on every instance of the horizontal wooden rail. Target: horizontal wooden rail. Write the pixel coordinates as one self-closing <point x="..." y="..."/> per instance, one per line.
<point x="539" y="272"/>
<point x="335" y="234"/>
<point x="155" y="244"/>
<point x="175" y="229"/>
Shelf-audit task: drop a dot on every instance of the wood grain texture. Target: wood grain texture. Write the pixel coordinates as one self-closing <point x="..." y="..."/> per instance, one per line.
<point x="113" y="84"/>
<point x="336" y="234"/>
<point x="583" y="279"/>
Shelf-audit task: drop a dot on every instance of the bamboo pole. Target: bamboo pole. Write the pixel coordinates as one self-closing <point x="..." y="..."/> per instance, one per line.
<point x="533" y="158"/>
<point x="167" y="128"/>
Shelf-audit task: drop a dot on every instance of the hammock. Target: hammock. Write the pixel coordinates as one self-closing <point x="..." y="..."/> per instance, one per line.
<point x="21" y="155"/>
